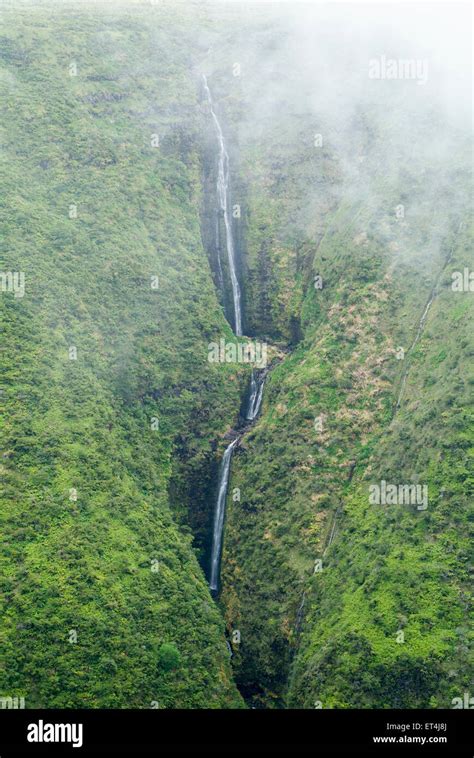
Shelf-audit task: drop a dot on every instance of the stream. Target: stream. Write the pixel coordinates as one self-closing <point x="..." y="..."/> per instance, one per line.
<point x="252" y="410"/>
<point x="223" y="195"/>
<point x="257" y="379"/>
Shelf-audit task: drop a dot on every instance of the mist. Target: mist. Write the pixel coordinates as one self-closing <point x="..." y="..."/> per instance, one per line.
<point x="383" y="91"/>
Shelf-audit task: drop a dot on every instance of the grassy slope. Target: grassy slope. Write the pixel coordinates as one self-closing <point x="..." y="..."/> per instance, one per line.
<point x="294" y="478"/>
<point x="378" y="272"/>
<point x="86" y="565"/>
<point x="394" y="568"/>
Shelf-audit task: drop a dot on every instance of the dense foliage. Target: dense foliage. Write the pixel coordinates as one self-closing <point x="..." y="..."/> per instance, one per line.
<point x="114" y="420"/>
<point x="99" y="576"/>
<point x="343" y="276"/>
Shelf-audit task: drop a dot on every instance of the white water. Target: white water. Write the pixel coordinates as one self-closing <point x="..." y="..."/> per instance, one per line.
<point x="253" y="407"/>
<point x="255" y="399"/>
<point x="220" y="513"/>
<point x="223" y="195"/>
<point x="256" y="387"/>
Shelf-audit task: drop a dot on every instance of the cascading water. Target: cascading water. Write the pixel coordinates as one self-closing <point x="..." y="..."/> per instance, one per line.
<point x="253" y="407"/>
<point x="223" y="191"/>
<point x="255" y="399"/>
<point x="256" y="384"/>
<point x="219" y="514"/>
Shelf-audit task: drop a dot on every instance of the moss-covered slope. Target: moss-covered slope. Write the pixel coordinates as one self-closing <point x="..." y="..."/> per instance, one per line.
<point x="351" y="241"/>
<point x="108" y="397"/>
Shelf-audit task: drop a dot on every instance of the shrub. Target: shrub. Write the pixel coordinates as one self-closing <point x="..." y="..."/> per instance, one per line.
<point x="168" y="656"/>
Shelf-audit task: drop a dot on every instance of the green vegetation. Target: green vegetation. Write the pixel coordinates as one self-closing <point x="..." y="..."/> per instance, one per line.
<point x="168" y="657"/>
<point x="389" y="568"/>
<point x="99" y="451"/>
<point x="327" y="430"/>
<point x="114" y="421"/>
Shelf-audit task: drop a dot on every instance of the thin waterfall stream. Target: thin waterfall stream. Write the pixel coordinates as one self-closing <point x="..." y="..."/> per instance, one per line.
<point x="223" y="194"/>
<point x="257" y="379"/>
<point x="255" y="399"/>
<point x="219" y="514"/>
<point x="252" y="410"/>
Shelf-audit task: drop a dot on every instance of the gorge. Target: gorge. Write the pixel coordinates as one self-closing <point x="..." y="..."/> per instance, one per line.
<point x="286" y="200"/>
<point x="256" y="385"/>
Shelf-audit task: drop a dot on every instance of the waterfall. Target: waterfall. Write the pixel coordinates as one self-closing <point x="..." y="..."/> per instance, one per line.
<point x="253" y="407"/>
<point x="255" y="399"/>
<point x="220" y="513"/>
<point x="224" y="202"/>
<point x="256" y="385"/>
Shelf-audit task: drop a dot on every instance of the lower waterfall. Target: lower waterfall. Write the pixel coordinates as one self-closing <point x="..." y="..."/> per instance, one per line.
<point x="253" y="408"/>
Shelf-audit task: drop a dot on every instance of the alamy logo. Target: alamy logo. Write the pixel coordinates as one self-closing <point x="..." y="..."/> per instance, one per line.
<point x="42" y="732"/>
<point x="13" y="281"/>
<point x="238" y="352"/>
<point x="399" y="494"/>
<point x="463" y="702"/>
<point x="463" y="281"/>
<point x="12" y="702"/>
<point x="392" y="68"/>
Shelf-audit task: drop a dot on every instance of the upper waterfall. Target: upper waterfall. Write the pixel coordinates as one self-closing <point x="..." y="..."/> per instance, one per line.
<point x="223" y="190"/>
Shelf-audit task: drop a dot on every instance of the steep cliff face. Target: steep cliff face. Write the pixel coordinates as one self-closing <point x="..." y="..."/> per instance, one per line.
<point x="347" y="242"/>
<point x="112" y="409"/>
<point x="349" y="220"/>
<point x="312" y="568"/>
<point x="386" y="622"/>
